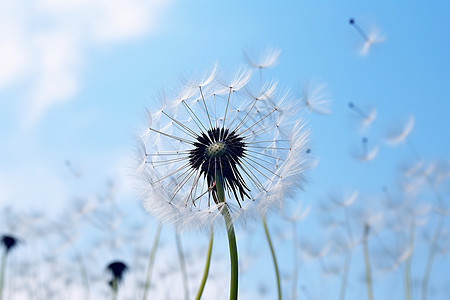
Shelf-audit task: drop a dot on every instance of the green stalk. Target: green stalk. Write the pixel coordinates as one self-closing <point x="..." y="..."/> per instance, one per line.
<point x="231" y="239"/>
<point x="348" y="259"/>
<point x="2" y="273"/>
<point x="295" y="273"/>
<point x="274" y="259"/>
<point x="84" y="274"/>
<point x="114" y="288"/>
<point x="206" y="271"/>
<point x="431" y="255"/>
<point x="182" y="265"/>
<point x="408" y="266"/>
<point x="367" y="263"/>
<point x="151" y="261"/>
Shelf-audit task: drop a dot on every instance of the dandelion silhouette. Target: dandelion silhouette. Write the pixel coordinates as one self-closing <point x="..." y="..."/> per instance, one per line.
<point x="117" y="269"/>
<point x="9" y="242"/>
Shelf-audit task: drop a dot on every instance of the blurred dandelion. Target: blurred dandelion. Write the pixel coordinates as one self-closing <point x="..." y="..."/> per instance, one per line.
<point x="117" y="270"/>
<point x="366" y="117"/>
<point x="399" y="134"/>
<point x="374" y="37"/>
<point x="8" y="242"/>
<point x="365" y="154"/>
<point x="217" y="139"/>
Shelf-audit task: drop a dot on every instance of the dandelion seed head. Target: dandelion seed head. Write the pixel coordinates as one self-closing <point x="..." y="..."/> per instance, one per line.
<point x="252" y="142"/>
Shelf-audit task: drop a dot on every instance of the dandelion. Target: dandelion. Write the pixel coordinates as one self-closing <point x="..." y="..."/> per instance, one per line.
<point x="8" y="242"/>
<point x="117" y="270"/>
<point x="374" y="37"/>
<point x="221" y="149"/>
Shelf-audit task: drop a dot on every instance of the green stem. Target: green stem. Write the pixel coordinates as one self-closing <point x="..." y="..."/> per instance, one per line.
<point x="151" y="261"/>
<point x="295" y="273"/>
<point x="348" y="259"/>
<point x="367" y="264"/>
<point x="84" y="273"/>
<point x="2" y="273"/>
<point x="114" y="288"/>
<point x="231" y="239"/>
<point x="183" y="266"/>
<point x="206" y="271"/>
<point x="274" y="259"/>
<point x="408" y="266"/>
<point x="431" y="255"/>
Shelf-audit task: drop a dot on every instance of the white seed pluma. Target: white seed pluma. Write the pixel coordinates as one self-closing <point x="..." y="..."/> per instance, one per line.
<point x="252" y="141"/>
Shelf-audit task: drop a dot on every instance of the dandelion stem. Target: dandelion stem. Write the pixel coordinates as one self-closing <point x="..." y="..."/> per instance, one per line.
<point x="151" y="261"/>
<point x="84" y="274"/>
<point x="206" y="271"/>
<point x="348" y="259"/>
<point x="2" y="273"/>
<point x="272" y="251"/>
<point x="408" y="266"/>
<point x="367" y="263"/>
<point x="183" y="266"/>
<point x="295" y="274"/>
<point x="114" y="288"/>
<point x="231" y="238"/>
<point x="431" y="255"/>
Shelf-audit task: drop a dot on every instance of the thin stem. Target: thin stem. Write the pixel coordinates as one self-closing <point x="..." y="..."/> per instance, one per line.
<point x="84" y="274"/>
<point x="151" y="261"/>
<point x="408" y="266"/>
<point x="231" y="238"/>
<point x="114" y="289"/>
<point x="295" y="273"/>
<point x="367" y="264"/>
<point x="348" y="259"/>
<point x="431" y="255"/>
<point x="182" y="265"/>
<point x="2" y="273"/>
<point x="206" y="271"/>
<point x="274" y="259"/>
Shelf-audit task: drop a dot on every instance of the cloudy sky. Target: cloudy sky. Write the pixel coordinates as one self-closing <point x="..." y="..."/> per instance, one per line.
<point x="76" y="76"/>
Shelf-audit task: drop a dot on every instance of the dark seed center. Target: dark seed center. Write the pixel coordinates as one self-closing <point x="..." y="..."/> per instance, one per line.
<point x="216" y="149"/>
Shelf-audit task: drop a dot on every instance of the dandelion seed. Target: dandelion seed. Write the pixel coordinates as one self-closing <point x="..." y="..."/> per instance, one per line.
<point x="365" y="154"/>
<point x="267" y="59"/>
<point x="367" y="117"/>
<point x="398" y="134"/>
<point x="374" y="37"/>
<point x="316" y="98"/>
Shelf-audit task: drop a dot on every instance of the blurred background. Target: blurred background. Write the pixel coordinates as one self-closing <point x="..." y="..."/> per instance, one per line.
<point x="76" y="77"/>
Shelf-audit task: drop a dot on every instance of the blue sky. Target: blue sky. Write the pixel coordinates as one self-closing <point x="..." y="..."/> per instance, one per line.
<point x="75" y="78"/>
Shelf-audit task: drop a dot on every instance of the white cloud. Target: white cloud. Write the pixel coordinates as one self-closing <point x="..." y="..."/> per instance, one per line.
<point x="43" y="44"/>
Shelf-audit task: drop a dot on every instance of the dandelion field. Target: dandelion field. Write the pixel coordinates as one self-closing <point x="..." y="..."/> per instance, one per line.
<point x="168" y="150"/>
